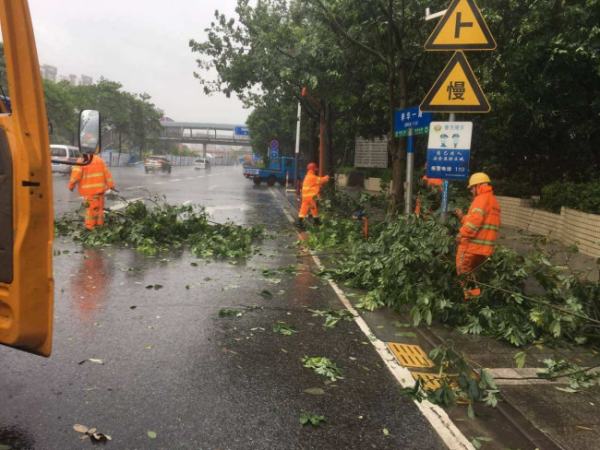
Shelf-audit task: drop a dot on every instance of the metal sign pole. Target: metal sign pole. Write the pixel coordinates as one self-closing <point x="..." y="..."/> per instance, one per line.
<point x="410" y="165"/>
<point x="446" y="185"/>
<point x="297" y="149"/>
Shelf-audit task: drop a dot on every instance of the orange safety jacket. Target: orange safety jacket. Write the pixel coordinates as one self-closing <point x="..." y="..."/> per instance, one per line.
<point x="481" y="224"/>
<point x="93" y="179"/>
<point x="311" y="186"/>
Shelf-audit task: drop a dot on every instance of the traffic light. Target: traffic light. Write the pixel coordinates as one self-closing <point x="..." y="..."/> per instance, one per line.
<point x="26" y="215"/>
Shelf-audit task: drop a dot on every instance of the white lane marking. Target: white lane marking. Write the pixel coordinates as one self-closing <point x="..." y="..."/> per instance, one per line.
<point x="132" y="188"/>
<point x="175" y="180"/>
<point x="435" y="415"/>
<point x="122" y="205"/>
<point x="189" y="178"/>
<point x="159" y="182"/>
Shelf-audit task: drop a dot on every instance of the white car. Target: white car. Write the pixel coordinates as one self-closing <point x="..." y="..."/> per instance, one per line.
<point x="201" y="163"/>
<point x="66" y="153"/>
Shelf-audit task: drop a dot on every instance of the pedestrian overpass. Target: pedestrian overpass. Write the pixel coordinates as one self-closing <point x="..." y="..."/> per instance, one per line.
<point x="203" y="133"/>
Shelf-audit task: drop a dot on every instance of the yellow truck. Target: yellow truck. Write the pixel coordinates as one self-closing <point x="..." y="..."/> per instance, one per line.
<point x="26" y="212"/>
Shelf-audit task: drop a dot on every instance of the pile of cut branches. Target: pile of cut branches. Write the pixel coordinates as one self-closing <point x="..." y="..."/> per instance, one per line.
<point x="408" y="264"/>
<point x="163" y="227"/>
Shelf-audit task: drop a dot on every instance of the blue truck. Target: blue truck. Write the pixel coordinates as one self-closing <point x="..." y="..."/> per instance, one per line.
<point x="278" y="171"/>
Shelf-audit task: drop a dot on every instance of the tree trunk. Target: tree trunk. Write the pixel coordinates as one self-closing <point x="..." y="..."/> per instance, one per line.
<point x="314" y="148"/>
<point x="323" y="139"/>
<point x="330" y="159"/>
<point x="120" y="146"/>
<point x="397" y="147"/>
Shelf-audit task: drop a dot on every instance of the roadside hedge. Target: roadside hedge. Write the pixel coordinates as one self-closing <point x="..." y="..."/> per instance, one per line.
<point x="584" y="197"/>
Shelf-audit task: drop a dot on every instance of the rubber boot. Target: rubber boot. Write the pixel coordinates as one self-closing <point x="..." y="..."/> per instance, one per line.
<point x="317" y="221"/>
<point x="300" y="223"/>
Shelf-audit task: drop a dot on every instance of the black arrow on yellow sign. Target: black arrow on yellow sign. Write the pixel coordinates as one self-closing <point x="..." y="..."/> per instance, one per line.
<point x="462" y="28"/>
<point x="456" y="90"/>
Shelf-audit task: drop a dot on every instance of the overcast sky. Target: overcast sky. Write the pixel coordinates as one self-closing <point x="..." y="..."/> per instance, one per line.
<point x="143" y="44"/>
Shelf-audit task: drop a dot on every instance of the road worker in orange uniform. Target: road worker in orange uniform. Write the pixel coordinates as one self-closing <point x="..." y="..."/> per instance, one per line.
<point x="311" y="186"/>
<point x="434" y="185"/>
<point x="94" y="180"/>
<point x="478" y="233"/>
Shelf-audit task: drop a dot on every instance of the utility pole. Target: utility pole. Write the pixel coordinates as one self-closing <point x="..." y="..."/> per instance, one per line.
<point x="297" y="148"/>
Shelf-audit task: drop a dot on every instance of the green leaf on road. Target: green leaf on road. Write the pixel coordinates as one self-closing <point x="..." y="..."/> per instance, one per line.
<point x="315" y="420"/>
<point x="156" y="287"/>
<point x="315" y="391"/>
<point x="323" y="366"/>
<point x="520" y="358"/>
<point x="230" y="312"/>
<point x="386" y="432"/>
<point x="152" y="434"/>
<point x="266" y="294"/>
<point x="283" y="328"/>
<point x="332" y="316"/>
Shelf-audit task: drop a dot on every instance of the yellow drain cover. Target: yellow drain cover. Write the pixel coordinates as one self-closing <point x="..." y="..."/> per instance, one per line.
<point x="410" y="355"/>
<point x="429" y="381"/>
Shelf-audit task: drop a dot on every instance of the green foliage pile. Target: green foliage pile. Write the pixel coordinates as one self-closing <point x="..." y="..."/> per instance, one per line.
<point x="409" y="264"/>
<point x="164" y="227"/>
<point x="581" y="196"/>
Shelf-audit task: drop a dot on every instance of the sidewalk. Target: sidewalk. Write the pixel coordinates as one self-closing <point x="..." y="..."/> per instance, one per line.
<point x="532" y="413"/>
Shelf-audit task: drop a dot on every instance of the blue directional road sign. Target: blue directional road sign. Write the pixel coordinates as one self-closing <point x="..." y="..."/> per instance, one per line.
<point x="449" y="150"/>
<point x="241" y="131"/>
<point x="274" y="149"/>
<point x="411" y="118"/>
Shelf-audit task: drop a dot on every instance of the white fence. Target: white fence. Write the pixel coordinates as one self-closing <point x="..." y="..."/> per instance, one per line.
<point x="570" y="227"/>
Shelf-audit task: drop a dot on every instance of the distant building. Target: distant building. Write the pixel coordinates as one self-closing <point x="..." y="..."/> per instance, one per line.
<point x="86" y="80"/>
<point x="49" y="72"/>
<point x="73" y="79"/>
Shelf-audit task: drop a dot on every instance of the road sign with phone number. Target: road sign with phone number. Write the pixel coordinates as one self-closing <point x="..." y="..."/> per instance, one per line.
<point x="448" y="164"/>
<point x="449" y="150"/>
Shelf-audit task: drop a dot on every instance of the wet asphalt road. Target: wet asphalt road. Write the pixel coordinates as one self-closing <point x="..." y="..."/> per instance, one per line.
<point x="172" y="366"/>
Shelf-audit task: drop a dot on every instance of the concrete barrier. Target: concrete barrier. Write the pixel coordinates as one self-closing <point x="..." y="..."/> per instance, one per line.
<point x="571" y="227"/>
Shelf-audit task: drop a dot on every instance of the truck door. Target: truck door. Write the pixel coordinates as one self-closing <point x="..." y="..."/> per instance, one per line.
<point x="26" y="215"/>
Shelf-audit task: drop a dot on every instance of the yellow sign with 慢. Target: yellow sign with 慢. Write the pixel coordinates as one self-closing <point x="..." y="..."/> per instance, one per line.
<point x="456" y="90"/>
<point x="462" y="28"/>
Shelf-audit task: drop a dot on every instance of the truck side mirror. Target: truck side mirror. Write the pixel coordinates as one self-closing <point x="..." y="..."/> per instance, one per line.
<point x="89" y="132"/>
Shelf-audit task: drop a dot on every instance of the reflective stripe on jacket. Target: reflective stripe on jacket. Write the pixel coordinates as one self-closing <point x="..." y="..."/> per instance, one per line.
<point x="311" y="186"/>
<point x="93" y="179"/>
<point x="481" y="224"/>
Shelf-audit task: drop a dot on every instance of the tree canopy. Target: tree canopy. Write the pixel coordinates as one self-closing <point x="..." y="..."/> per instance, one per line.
<point x="128" y="119"/>
<point x="365" y="58"/>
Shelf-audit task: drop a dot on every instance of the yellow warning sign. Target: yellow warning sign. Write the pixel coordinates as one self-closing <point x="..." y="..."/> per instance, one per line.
<point x="461" y="28"/>
<point x="456" y="90"/>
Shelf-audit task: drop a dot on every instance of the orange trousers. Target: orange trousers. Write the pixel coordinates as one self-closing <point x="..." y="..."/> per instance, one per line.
<point x="94" y="215"/>
<point x="466" y="263"/>
<point x="308" y="204"/>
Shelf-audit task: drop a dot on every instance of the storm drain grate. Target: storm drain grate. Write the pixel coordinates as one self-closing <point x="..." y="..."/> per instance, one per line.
<point x="429" y="381"/>
<point x="410" y="355"/>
